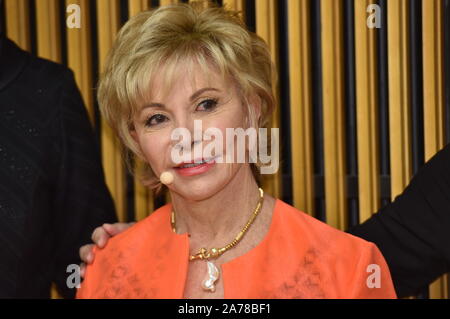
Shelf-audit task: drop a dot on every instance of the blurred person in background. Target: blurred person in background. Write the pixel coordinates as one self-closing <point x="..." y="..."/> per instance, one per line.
<point x="52" y="188"/>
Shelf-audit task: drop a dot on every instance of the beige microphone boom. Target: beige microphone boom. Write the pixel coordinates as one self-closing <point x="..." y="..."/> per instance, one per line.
<point x="166" y="178"/>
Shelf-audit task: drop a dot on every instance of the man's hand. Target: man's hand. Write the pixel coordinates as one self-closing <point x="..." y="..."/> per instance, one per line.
<point x="100" y="237"/>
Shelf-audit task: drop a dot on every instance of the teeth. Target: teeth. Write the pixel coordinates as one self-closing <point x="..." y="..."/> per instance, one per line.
<point x="197" y="164"/>
<point x="192" y="165"/>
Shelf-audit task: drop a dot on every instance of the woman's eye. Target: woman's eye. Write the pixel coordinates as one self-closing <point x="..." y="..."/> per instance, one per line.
<point x="156" y="119"/>
<point x="207" y="105"/>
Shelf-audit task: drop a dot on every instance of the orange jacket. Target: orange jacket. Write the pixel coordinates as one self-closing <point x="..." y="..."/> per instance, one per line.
<point x="300" y="257"/>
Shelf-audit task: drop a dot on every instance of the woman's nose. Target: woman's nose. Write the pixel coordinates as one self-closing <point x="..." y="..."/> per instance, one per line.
<point x="192" y="134"/>
<point x="184" y="144"/>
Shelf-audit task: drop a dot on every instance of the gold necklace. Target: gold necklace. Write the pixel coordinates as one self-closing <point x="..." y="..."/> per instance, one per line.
<point x="204" y="254"/>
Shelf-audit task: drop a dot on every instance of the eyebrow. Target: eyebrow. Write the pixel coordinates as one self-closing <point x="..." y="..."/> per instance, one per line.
<point x="192" y="98"/>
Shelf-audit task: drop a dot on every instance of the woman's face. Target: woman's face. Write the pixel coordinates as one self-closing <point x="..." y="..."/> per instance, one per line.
<point x="212" y="101"/>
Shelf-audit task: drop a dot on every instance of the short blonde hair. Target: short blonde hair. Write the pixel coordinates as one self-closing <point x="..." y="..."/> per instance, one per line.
<point x="207" y="36"/>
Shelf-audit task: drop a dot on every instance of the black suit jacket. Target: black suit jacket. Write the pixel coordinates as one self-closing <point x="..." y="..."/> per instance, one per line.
<point x="52" y="189"/>
<point x="413" y="232"/>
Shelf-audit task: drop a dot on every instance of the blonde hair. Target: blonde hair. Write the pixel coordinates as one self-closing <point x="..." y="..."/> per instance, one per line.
<point x="207" y="36"/>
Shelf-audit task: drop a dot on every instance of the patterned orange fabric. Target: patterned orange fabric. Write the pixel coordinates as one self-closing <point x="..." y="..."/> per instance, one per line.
<point x="300" y="257"/>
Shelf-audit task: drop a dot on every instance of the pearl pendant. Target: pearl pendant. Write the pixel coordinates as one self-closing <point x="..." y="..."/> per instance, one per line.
<point x="211" y="277"/>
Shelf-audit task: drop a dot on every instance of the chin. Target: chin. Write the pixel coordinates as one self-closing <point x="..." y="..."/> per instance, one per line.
<point x="197" y="190"/>
<point x="200" y="187"/>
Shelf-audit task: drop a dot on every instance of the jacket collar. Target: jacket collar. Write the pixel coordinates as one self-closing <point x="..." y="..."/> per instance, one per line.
<point x="12" y="61"/>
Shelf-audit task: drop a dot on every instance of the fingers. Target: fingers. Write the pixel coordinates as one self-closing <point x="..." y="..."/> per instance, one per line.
<point x="82" y="270"/>
<point x="117" y="228"/>
<point x="86" y="253"/>
<point x="100" y="237"/>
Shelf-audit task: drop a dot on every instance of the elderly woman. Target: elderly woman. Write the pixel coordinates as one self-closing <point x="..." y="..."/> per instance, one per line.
<point x="221" y="236"/>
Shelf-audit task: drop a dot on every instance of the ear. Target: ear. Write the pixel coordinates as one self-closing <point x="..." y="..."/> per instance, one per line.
<point x="256" y="104"/>
<point x="133" y="132"/>
<point x="134" y="135"/>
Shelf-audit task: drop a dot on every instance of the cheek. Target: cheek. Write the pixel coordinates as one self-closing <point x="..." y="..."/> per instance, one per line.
<point x="233" y="119"/>
<point x="154" y="146"/>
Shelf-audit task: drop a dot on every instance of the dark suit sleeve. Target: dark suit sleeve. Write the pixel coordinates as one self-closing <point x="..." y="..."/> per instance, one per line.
<point x="413" y="232"/>
<point x="82" y="199"/>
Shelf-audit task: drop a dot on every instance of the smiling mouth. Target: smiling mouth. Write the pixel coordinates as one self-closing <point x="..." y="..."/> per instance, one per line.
<point x="194" y="164"/>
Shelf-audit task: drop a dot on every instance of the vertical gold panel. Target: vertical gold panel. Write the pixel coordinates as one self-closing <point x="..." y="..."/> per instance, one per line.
<point x="143" y="197"/>
<point x="54" y="294"/>
<point x="433" y="98"/>
<point x="333" y="113"/>
<point x="48" y="30"/>
<point x="301" y="107"/>
<point x="18" y="23"/>
<point x="167" y="2"/>
<point x="136" y="6"/>
<point x="108" y="25"/>
<point x="367" y="119"/>
<point x="79" y="54"/>
<point x="236" y="5"/>
<point x="399" y="101"/>
<point x="206" y="3"/>
<point x="433" y="93"/>
<point x="266" y="28"/>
